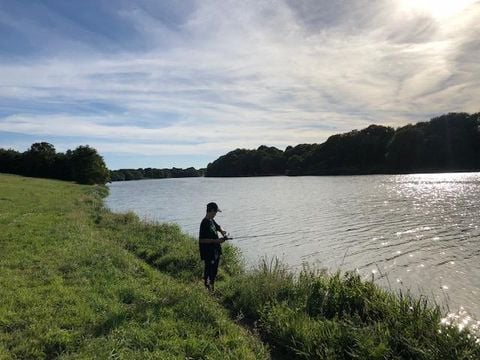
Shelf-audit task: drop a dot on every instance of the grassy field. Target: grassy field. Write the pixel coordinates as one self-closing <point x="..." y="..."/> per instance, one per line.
<point x="68" y="291"/>
<point x="81" y="282"/>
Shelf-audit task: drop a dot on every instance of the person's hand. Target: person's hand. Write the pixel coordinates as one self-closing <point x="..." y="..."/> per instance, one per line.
<point x="224" y="233"/>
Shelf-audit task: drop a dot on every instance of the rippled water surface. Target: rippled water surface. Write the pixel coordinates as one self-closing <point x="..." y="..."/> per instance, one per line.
<point x="419" y="232"/>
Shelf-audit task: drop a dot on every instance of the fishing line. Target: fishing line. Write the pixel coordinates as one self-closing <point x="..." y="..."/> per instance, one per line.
<point x="270" y="234"/>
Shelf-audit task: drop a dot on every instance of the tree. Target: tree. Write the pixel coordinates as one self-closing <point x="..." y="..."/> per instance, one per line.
<point x="10" y="161"/>
<point x="294" y="164"/>
<point x="39" y="160"/>
<point x="403" y="151"/>
<point x="62" y="168"/>
<point x="88" y="166"/>
<point x="449" y="142"/>
<point x="241" y="162"/>
<point x="117" y="175"/>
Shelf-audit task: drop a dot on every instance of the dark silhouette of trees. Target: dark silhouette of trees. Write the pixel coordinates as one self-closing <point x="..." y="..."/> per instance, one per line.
<point x="449" y="142"/>
<point x="62" y="168"/>
<point x="88" y="166"/>
<point x="83" y="165"/>
<point x="38" y="160"/>
<point x="355" y="152"/>
<point x="446" y="143"/>
<point x="403" y="151"/>
<point x="10" y="161"/>
<point x="150" y="173"/>
<point x="299" y="158"/>
<point x="241" y="162"/>
<point x="272" y="160"/>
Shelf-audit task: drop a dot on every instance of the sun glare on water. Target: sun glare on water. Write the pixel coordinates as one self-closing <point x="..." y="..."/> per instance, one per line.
<point x="438" y="9"/>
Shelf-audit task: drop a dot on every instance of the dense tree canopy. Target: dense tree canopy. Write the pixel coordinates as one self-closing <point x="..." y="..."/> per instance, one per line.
<point x="240" y="162"/>
<point x="149" y="173"/>
<point x="83" y="165"/>
<point x="447" y="143"/>
<point x="87" y="166"/>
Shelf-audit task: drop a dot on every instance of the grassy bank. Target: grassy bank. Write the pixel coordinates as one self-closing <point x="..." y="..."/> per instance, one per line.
<point x="309" y="316"/>
<point x="82" y="282"/>
<point x="67" y="291"/>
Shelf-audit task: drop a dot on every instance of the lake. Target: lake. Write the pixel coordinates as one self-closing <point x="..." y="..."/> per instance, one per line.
<point x="419" y="232"/>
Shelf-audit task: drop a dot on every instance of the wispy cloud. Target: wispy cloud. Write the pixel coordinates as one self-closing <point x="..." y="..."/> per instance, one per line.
<point x="206" y="77"/>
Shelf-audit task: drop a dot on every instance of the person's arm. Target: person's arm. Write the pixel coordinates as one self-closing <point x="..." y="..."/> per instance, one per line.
<point x="219" y="228"/>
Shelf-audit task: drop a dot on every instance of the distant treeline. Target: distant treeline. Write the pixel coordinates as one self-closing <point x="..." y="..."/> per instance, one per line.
<point x="446" y="143"/>
<point x="149" y="173"/>
<point x="83" y="165"/>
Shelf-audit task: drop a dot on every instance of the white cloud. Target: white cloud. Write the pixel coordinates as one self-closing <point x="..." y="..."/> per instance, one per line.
<point x="241" y="74"/>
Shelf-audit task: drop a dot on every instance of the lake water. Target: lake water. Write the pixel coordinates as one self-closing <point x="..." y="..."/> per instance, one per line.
<point x="419" y="232"/>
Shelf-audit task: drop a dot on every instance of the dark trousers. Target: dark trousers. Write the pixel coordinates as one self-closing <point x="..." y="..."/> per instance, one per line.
<point x="210" y="271"/>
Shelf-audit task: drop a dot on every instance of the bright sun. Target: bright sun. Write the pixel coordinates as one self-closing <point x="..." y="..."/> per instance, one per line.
<point x="436" y="8"/>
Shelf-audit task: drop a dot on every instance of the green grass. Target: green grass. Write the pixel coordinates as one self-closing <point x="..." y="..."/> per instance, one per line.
<point x="319" y="316"/>
<point x="68" y="291"/>
<point x="81" y="282"/>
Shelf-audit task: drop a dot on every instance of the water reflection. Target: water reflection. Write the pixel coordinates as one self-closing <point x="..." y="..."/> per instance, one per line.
<point x="461" y="319"/>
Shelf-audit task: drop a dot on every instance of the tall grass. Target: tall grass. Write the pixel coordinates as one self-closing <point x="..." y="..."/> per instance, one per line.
<point x="339" y="316"/>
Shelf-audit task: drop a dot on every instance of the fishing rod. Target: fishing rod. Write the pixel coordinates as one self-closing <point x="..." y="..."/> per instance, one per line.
<point x="228" y="237"/>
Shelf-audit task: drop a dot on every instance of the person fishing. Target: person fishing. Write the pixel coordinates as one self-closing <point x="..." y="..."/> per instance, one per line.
<point x="210" y="245"/>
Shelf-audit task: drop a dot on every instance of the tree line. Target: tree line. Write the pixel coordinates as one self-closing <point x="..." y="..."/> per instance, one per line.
<point x="152" y="173"/>
<point x="449" y="142"/>
<point x="83" y="164"/>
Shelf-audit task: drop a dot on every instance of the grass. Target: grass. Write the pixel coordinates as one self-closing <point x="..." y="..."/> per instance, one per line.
<point x="68" y="291"/>
<point x="82" y="282"/>
<point x="339" y="316"/>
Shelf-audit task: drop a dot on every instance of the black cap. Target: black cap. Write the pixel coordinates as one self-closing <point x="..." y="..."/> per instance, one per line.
<point x="213" y="206"/>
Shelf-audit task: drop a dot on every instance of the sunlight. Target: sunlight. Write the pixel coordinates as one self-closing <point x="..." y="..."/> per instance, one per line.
<point x="436" y="8"/>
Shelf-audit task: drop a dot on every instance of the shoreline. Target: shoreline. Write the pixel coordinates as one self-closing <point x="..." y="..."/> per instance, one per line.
<point x="323" y="175"/>
<point x="240" y="299"/>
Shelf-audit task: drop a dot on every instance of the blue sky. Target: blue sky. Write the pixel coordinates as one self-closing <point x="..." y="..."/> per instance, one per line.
<point x="179" y="83"/>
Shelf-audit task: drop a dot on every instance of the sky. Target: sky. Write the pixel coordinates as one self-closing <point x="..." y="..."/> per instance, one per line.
<point x="179" y="83"/>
